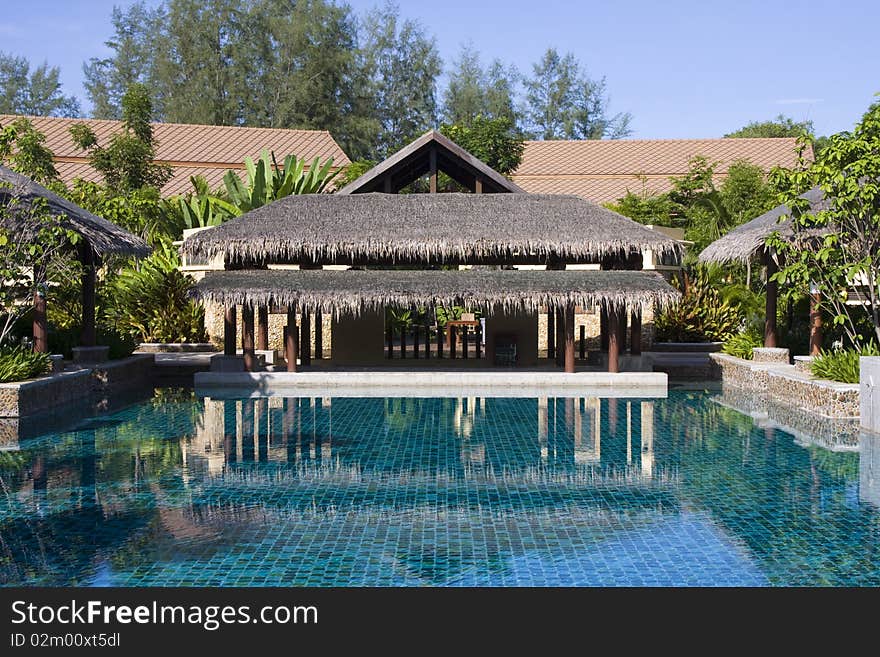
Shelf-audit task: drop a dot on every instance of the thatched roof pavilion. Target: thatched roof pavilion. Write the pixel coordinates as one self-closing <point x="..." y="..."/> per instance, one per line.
<point x="19" y="195"/>
<point x="369" y="224"/>
<point x="353" y="291"/>
<point x="747" y="241"/>
<point x="428" y="229"/>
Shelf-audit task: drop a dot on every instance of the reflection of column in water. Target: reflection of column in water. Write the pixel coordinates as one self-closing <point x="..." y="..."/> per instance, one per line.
<point x="316" y="414"/>
<point x="869" y="468"/>
<point x="542" y="425"/>
<point x="261" y="407"/>
<point x="230" y="430"/>
<point x="305" y="443"/>
<point x="290" y="429"/>
<point x="566" y="453"/>
<point x="40" y="474"/>
<point x="647" y="439"/>
<point x="87" y="468"/>
<point x="629" y="434"/>
<point x="248" y="412"/>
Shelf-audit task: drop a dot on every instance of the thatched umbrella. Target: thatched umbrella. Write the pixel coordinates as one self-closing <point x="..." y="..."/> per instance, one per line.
<point x="749" y="240"/>
<point x="429" y="228"/>
<point x="19" y="195"/>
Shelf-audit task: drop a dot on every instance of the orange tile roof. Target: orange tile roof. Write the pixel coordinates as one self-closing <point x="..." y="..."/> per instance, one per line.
<point x="604" y="170"/>
<point x="206" y="150"/>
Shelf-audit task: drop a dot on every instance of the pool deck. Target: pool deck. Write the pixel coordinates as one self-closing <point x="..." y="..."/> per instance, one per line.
<point x="392" y="382"/>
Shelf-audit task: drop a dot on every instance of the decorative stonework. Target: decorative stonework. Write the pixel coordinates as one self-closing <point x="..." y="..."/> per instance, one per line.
<point x="770" y="355"/>
<point x="786" y="385"/>
<point x="92" y="384"/>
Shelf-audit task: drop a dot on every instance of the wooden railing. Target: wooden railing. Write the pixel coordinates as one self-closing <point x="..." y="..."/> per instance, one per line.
<point x="434" y="342"/>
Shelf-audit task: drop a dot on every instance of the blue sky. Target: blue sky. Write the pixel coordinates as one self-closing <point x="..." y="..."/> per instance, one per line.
<point x="683" y="68"/>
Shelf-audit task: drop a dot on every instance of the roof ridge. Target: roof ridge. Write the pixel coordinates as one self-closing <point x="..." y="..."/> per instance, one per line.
<point x="655" y="141"/>
<point x="168" y="123"/>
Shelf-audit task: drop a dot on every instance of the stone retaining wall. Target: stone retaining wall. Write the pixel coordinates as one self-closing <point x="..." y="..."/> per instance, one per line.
<point x="85" y="384"/>
<point x="787" y="385"/>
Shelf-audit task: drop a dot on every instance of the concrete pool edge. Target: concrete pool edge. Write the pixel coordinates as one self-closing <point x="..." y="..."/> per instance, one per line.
<point x="430" y="384"/>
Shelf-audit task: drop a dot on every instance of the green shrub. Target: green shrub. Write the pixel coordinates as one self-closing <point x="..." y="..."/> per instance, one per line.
<point x="18" y="364"/>
<point x="741" y="344"/>
<point x="841" y="365"/>
<point x="700" y="316"/>
<point x="151" y="301"/>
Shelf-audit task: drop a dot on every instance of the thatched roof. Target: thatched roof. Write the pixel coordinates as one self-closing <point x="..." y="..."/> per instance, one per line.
<point x="352" y="291"/>
<point x="19" y="192"/>
<point x="432" y="228"/>
<point x="747" y="240"/>
<point x="413" y="161"/>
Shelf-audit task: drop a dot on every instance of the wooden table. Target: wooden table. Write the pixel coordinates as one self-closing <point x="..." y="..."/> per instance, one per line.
<point x="457" y="322"/>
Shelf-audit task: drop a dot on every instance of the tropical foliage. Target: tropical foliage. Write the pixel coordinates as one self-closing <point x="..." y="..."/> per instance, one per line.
<point x="700" y="316"/>
<point x="741" y="344"/>
<point x="267" y="181"/>
<point x="150" y="300"/>
<point x="836" y="251"/>
<point x="494" y="141"/>
<point x="843" y="364"/>
<point x="18" y="364"/>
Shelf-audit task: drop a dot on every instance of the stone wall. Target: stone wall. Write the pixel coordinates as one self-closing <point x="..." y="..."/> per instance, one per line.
<point x="785" y="384"/>
<point x="86" y="385"/>
<point x="591" y="323"/>
<point x="277" y="321"/>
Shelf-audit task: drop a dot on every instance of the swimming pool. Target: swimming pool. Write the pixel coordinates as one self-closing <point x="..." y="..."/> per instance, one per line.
<point x="188" y="491"/>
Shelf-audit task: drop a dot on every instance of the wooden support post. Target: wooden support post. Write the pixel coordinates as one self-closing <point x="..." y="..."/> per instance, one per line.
<point x="290" y="340"/>
<point x="247" y="337"/>
<point x="603" y="330"/>
<point x="453" y="347"/>
<point x="229" y="331"/>
<point x="478" y="341"/>
<point x="815" y="323"/>
<point x="770" y="306"/>
<point x="622" y="318"/>
<point x="415" y="340"/>
<point x="613" y="340"/>
<point x="583" y="345"/>
<point x="560" y="337"/>
<point x="432" y="170"/>
<point x="262" y="327"/>
<point x="427" y="342"/>
<point x="440" y="340"/>
<point x="40" y="326"/>
<point x="568" y="333"/>
<point x="389" y="342"/>
<point x="305" y="340"/>
<point x="464" y="342"/>
<point x="386" y="184"/>
<point x="89" y="260"/>
<point x="551" y="334"/>
<point x="478" y="186"/>
<point x="319" y="335"/>
<point x="403" y="341"/>
<point x="635" y="333"/>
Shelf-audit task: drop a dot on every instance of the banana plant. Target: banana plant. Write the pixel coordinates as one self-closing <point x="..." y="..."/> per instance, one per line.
<point x="267" y="181"/>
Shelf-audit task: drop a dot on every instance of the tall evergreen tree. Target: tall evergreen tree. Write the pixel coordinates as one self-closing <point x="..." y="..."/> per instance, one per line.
<point x="137" y="37"/>
<point x="403" y="64"/>
<point x="473" y="91"/>
<point x="34" y="92"/>
<point x="563" y="103"/>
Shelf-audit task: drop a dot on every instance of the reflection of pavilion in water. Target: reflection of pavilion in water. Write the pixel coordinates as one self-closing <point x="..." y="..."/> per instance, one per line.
<point x="442" y="434"/>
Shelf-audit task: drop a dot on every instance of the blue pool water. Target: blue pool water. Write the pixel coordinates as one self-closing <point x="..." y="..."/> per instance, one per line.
<point x="187" y="491"/>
